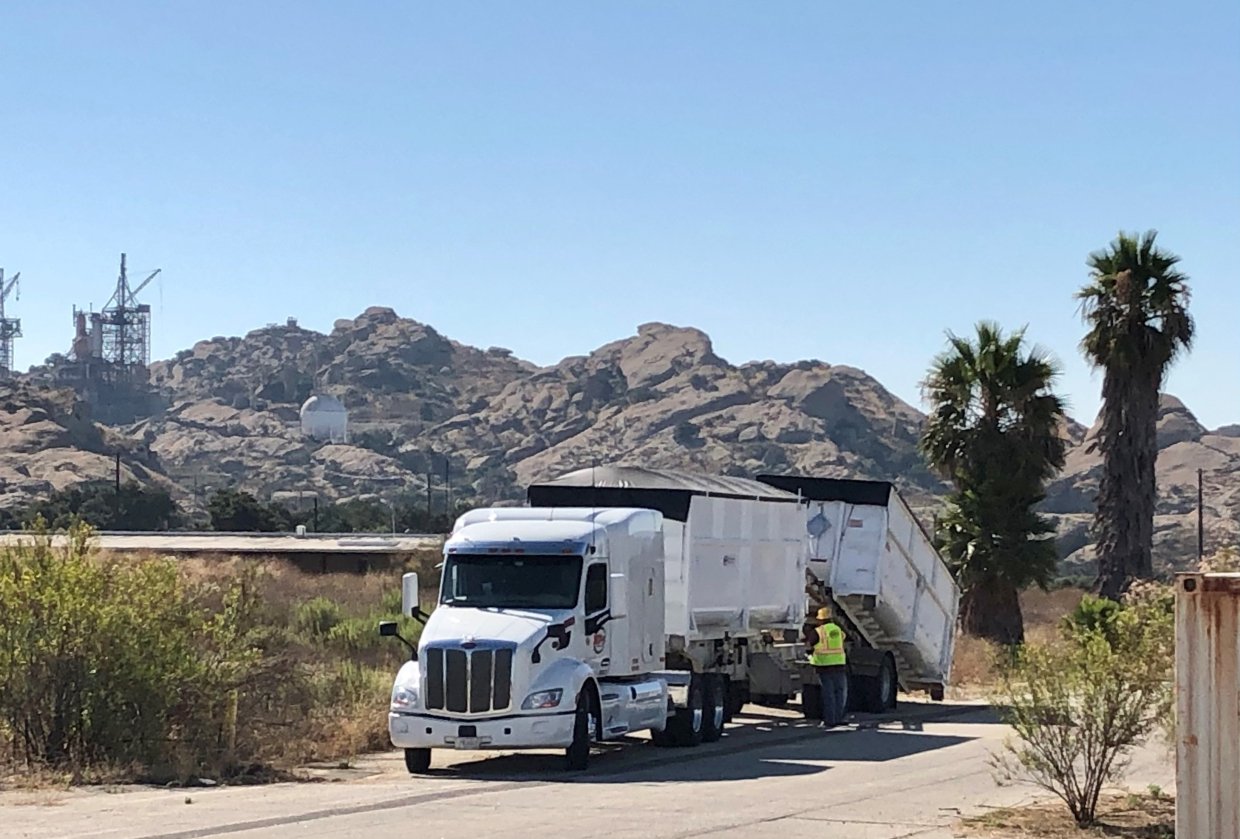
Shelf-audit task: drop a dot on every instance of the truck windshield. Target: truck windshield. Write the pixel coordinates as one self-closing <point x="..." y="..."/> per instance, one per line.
<point x="512" y="582"/>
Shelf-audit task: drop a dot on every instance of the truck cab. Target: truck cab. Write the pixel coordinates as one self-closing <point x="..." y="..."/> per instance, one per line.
<point x="547" y="626"/>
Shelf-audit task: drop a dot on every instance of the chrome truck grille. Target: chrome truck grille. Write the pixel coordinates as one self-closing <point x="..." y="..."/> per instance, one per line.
<point x="469" y="681"/>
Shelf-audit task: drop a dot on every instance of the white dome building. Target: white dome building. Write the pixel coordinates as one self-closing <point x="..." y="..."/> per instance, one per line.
<point x="323" y="417"/>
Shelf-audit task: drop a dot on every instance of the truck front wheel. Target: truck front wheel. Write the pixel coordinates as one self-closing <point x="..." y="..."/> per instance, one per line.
<point x="577" y="755"/>
<point x="417" y="761"/>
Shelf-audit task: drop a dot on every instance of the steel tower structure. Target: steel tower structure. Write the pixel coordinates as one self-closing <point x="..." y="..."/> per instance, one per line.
<point x="10" y="328"/>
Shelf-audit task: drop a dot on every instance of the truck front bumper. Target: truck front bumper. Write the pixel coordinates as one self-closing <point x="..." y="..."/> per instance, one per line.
<point x="532" y="731"/>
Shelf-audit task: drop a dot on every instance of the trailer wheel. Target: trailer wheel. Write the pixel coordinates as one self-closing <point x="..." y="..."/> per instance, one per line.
<point x="811" y="701"/>
<point x="858" y="695"/>
<point x="936" y="693"/>
<point x="417" y="761"/>
<point x="735" y="696"/>
<point x="714" y="707"/>
<point x="577" y="755"/>
<point x="886" y="685"/>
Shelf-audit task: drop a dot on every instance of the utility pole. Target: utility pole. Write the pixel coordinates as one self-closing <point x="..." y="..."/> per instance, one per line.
<point x="447" y="503"/>
<point x="1201" y="522"/>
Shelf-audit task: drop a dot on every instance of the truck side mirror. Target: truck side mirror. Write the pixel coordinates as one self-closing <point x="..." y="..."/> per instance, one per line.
<point x="389" y="629"/>
<point x="618" y="597"/>
<point x="409" y="597"/>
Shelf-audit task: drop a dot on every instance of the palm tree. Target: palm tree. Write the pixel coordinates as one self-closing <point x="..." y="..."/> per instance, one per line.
<point x="1136" y="308"/>
<point x="994" y="432"/>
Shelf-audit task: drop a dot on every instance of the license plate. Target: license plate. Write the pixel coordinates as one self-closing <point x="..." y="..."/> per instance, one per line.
<point x="465" y="743"/>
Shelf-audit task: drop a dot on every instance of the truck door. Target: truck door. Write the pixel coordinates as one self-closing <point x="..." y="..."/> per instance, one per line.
<point x="597" y="618"/>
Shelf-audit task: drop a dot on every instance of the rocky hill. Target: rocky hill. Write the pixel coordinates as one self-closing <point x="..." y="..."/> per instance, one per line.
<point x="49" y="442"/>
<point x="419" y="402"/>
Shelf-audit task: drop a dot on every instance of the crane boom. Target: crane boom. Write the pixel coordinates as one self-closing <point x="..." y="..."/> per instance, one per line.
<point x="6" y="289"/>
<point x="144" y="284"/>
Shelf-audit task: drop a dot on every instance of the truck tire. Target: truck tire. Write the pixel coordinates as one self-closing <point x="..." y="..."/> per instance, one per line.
<point x="577" y="755"/>
<point x="684" y="727"/>
<point x="714" y="708"/>
<point x="887" y="685"/>
<point x="877" y="693"/>
<point x="665" y="739"/>
<point x="736" y="695"/>
<point x="417" y="761"/>
<point x="811" y="701"/>
<point x="936" y="693"/>
<point x="858" y="693"/>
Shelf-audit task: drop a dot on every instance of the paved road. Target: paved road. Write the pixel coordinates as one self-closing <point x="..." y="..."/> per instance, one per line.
<point x="912" y="776"/>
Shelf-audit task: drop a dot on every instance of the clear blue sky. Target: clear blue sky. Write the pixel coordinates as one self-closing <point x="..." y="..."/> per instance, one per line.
<point x="842" y="181"/>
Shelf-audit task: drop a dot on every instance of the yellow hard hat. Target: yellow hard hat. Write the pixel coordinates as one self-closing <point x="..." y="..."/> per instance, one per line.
<point x="824" y="614"/>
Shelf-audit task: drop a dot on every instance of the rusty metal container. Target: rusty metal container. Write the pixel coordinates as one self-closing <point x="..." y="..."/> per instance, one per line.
<point x="1207" y="682"/>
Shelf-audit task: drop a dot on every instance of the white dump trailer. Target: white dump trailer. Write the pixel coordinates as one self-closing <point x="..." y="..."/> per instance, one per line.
<point x="735" y="554"/>
<point x="880" y="570"/>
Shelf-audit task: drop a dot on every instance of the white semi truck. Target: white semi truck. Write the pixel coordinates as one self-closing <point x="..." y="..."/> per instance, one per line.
<point x="625" y="599"/>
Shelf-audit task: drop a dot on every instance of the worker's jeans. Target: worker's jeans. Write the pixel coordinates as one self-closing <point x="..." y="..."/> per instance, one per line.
<point x="834" y="682"/>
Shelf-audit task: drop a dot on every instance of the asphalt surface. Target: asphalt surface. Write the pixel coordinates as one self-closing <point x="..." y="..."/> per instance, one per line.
<point x="911" y="774"/>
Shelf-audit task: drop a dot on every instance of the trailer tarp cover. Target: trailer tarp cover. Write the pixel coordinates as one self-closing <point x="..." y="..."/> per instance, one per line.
<point x="666" y="490"/>
<point x="870" y="493"/>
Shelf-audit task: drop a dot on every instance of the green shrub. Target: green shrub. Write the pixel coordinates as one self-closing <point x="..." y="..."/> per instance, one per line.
<point x="317" y="618"/>
<point x="361" y="634"/>
<point x="166" y="669"/>
<point x="391" y="602"/>
<point x="1094" y="615"/>
<point x="110" y="662"/>
<point x="1079" y="706"/>
<point x="350" y="683"/>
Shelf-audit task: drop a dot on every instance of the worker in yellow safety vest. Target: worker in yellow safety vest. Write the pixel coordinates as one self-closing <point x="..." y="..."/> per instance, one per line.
<point x="827" y="655"/>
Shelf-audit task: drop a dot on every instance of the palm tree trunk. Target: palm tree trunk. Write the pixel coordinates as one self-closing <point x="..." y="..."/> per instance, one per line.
<point x="1145" y="419"/>
<point x="1124" y="521"/>
<point x="990" y="609"/>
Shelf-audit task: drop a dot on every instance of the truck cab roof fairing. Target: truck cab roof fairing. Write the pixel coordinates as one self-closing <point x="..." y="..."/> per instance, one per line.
<point x="668" y="491"/>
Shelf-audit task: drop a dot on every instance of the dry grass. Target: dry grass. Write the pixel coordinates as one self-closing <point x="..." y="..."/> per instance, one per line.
<point x="285" y="585"/>
<point x="1044" y="609"/>
<point x="973" y="665"/>
<point x="1147" y="816"/>
<point x="352" y="717"/>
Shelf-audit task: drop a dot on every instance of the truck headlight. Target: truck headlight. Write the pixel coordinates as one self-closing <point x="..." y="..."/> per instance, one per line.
<point x="542" y="699"/>
<point x="404" y="698"/>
